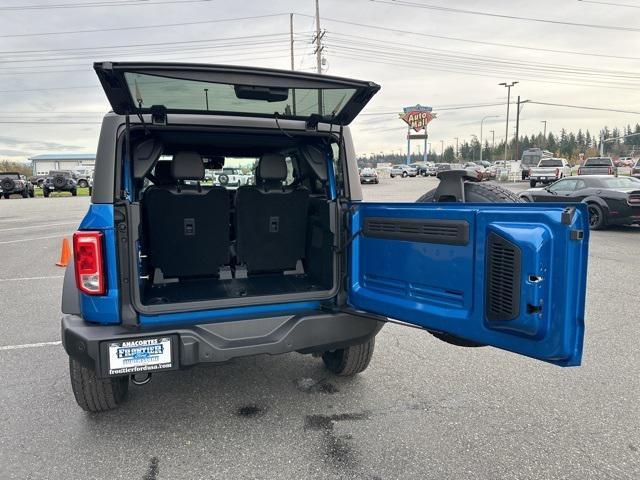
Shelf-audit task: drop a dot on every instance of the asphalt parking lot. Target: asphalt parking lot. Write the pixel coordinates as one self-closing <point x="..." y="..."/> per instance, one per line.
<point x="423" y="409"/>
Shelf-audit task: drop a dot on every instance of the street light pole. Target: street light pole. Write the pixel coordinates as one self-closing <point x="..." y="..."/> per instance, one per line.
<point x="506" y="135"/>
<point x="456" y="147"/>
<point x="481" y="123"/>
<point x="441" y="148"/>
<point x="544" y="135"/>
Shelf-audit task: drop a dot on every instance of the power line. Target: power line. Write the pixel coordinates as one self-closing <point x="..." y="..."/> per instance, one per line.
<point x="611" y="4"/>
<point x="142" y="27"/>
<point x="182" y="42"/>
<point x="115" y="3"/>
<point x="404" y="3"/>
<point x="478" y="42"/>
<point x="582" y="107"/>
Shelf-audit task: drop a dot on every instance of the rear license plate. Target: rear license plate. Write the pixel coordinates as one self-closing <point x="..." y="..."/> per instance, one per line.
<point x="140" y="355"/>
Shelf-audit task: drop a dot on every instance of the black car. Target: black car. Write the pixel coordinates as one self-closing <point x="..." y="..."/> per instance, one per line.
<point x="611" y="200"/>
<point x="60" y="181"/>
<point x="15" y="183"/>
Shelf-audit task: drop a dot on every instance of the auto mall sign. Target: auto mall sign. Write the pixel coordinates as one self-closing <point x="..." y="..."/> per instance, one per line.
<point x="417" y="117"/>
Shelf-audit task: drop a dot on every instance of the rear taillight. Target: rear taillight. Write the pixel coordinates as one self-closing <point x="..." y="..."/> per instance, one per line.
<point x="88" y="262"/>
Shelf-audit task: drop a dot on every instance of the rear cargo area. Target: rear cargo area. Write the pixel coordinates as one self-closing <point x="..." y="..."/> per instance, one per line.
<point x="268" y="238"/>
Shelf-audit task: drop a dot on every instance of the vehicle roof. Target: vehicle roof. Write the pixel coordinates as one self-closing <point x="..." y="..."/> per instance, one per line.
<point x="10" y="173"/>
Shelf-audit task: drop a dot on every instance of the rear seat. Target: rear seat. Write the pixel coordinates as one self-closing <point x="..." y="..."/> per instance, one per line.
<point x="187" y="226"/>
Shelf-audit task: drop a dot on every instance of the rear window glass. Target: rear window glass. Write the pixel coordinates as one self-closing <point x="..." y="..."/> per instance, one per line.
<point x="550" y="163"/>
<point x="598" y="162"/>
<point x="620" y="182"/>
<point x="13" y="176"/>
<point x="180" y="94"/>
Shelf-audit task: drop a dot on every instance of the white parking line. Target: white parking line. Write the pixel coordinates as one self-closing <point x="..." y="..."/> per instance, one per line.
<point x="27" y="239"/>
<point x="29" y="278"/>
<point x="37" y="226"/>
<point x="30" y="345"/>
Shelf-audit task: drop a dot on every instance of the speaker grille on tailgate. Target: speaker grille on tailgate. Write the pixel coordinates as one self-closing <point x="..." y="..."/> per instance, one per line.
<point x="449" y="232"/>
<point x="502" y="279"/>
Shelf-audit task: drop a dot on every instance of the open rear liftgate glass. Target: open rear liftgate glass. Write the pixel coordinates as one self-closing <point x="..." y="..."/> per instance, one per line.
<point x="508" y="275"/>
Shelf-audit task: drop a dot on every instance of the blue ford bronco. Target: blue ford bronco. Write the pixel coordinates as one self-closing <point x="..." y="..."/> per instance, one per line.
<point x="171" y="271"/>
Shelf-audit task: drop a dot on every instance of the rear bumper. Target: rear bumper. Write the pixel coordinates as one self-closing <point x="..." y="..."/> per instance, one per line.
<point x="219" y="342"/>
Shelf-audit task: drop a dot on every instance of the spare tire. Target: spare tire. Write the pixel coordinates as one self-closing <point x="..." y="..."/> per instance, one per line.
<point x="474" y="193"/>
<point x="7" y="184"/>
<point x="223" y="179"/>
<point x="59" y="181"/>
<point x="479" y="193"/>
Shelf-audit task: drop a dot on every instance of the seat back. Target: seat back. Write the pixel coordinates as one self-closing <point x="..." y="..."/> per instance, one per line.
<point x="186" y="227"/>
<point x="271" y="219"/>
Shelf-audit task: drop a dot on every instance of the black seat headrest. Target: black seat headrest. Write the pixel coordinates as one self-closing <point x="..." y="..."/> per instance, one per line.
<point x="187" y="166"/>
<point x="162" y="173"/>
<point x="272" y="166"/>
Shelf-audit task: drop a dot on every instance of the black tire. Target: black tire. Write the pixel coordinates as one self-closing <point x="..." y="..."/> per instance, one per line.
<point x="349" y="361"/>
<point x="474" y="193"/>
<point x="95" y="394"/>
<point x="392" y="176"/>
<point x="25" y="193"/>
<point x="532" y="183"/>
<point x="45" y="192"/>
<point x="424" y="174"/>
<point x="32" y="192"/>
<point x="83" y="183"/>
<point x="74" y="192"/>
<point x="90" y="191"/>
<point x="7" y="196"/>
<point x="223" y="179"/>
<point x="597" y="220"/>
<point x="405" y="174"/>
<point x="479" y="193"/>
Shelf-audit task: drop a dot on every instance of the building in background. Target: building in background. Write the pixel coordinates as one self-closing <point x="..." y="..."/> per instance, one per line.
<point x="46" y="162"/>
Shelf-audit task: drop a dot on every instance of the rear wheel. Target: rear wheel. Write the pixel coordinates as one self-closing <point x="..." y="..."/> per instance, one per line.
<point x="74" y="192"/>
<point x="45" y="192"/>
<point x="83" y="183"/>
<point x="349" y="361"/>
<point x="532" y="183"/>
<point x="25" y="193"/>
<point x="596" y="217"/>
<point x="95" y="394"/>
<point x="32" y="192"/>
<point x="405" y="174"/>
<point x="7" y="196"/>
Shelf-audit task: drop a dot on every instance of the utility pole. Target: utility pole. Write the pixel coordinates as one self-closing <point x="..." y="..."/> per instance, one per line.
<point x="318" y="52"/>
<point x="441" y="148"/>
<point x="293" y="63"/>
<point x="544" y="135"/>
<point x="518" y="127"/>
<point x="318" y="39"/>
<point x="506" y="135"/>
<point x="293" y="59"/>
<point x="493" y="141"/>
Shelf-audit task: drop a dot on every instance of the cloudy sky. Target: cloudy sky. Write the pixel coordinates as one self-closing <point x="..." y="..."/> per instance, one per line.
<point x="432" y="52"/>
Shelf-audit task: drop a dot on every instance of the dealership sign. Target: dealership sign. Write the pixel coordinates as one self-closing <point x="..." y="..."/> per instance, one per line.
<point x="417" y="117"/>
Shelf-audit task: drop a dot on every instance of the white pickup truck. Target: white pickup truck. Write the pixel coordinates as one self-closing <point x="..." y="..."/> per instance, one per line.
<point x="548" y="171"/>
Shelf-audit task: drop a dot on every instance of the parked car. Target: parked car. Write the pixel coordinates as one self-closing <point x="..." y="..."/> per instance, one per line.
<point x="369" y="175"/>
<point x="60" y="181"/>
<point x="548" y="171"/>
<point x="82" y="176"/>
<point x="635" y="170"/>
<point x="233" y="177"/>
<point x="403" y="171"/>
<point x="424" y="169"/>
<point x="442" y="167"/>
<point x="598" y="166"/>
<point x="477" y="170"/>
<point x="15" y="183"/>
<point x="160" y="281"/>
<point x="610" y="200"/>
